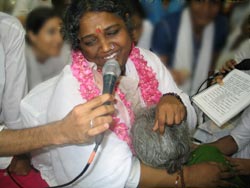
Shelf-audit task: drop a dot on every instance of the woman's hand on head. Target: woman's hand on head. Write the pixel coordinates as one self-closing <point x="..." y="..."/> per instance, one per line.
<point x="87" y="120"/>
<point x="207" y="174"/>
<point x="170" y="111"/>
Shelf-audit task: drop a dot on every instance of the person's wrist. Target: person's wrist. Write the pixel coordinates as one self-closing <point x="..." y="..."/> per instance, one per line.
<point x="187" y="176"/>
<point x="174" y="95"/>
<point x="58" y="136"/>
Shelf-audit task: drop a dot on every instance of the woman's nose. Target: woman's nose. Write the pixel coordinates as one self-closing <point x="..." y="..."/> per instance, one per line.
<point x="105" y="46"/>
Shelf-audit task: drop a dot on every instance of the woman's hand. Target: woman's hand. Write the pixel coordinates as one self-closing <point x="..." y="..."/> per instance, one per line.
<point x="240" y="166"/>
<point x="207" y="174"/>
<point x="170" y="110"/>
<point x="86" y="120"/>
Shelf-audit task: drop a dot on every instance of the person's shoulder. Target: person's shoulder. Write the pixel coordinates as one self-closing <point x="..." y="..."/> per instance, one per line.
<point x="169" y="24"/>
<point x="10" y="22"/>
<point x="172" y="18"/>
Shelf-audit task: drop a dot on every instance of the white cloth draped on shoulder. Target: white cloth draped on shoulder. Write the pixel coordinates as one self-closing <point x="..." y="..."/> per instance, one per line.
<point x="183" y="58"/>
<point x="114" y="165"/>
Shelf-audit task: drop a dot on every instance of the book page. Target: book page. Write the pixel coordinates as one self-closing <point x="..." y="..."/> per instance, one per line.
<point x="222" y="102"/>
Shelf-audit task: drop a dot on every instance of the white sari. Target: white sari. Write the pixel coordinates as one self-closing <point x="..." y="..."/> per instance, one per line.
<point x="114" y="165"/>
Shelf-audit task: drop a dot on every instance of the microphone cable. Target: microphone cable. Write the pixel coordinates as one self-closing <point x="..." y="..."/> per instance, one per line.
<point x="90" y="160"/>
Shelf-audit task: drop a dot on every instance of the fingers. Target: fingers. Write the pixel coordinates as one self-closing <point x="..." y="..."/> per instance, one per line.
<point x="159" y="121"/>
<point x="102" y="110"/>
<point x="223" y="183"/>
<point x="98" y="129"/>
<point x="100" y="124"/>
<point x="219" y="79"/>
<point x="156" y="127"/>
<point x="96" y="102"/>
<point x="226" y="175"/>
<point x="229" y="65"/>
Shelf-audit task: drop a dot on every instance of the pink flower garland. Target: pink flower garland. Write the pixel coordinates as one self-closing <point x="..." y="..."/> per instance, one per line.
<point x="148" y="86"/>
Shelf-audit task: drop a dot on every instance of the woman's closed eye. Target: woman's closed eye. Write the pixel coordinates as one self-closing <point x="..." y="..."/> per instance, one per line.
<point x="90" y="42"/>
<point x="112" y="32"/>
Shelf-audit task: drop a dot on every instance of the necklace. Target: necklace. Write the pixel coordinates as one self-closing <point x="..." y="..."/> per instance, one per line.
<point x="148" y="85"/>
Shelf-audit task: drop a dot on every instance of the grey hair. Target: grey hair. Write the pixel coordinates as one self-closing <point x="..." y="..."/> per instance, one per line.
<point x="170" y="150"/>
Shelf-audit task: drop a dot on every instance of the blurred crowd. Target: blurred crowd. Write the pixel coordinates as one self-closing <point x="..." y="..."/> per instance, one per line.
<point x="192" y="38"/>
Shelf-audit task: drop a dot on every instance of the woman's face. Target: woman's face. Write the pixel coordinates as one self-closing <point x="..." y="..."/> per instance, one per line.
<point x="48" y="41"/>
<point x="104" y="36"/>
<point x="204" y="11"/>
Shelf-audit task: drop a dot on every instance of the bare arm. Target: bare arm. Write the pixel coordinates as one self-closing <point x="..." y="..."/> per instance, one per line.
<point x="193" y="176"/>
<point x="14" y="142"/>
<point x="226" y="145"/>
<point x="73" y="129"/>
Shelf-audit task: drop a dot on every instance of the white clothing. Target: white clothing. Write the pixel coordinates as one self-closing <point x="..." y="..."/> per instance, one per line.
<point x="40" y="72"/>
<point x="23" y="7"/>
<point x="146" y="36"/>
<point x="12" y="72"/>
<point x="243" y="52"/>
<point x="183" y="58"/>
<point x="241" y="135"/>
<point x="114" y="165"/>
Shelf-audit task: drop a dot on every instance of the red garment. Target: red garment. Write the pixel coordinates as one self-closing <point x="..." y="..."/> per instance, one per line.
<point x="32" y="180"/>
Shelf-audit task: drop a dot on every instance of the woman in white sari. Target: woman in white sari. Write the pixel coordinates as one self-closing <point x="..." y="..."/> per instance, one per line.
<point x="100" y="31"/>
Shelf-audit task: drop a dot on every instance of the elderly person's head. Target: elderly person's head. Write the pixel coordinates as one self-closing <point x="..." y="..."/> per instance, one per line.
<point x="170" y="150"/>
<point x="100" y="29"/>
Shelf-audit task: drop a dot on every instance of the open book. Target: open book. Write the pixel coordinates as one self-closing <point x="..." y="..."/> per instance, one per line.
<point x="222" y="102"/>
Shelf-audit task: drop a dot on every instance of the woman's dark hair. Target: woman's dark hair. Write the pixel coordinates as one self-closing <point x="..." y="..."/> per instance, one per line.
<point x="137" y="8"/>
<point x="78" y="8"/>
<point x="37" y="18"/>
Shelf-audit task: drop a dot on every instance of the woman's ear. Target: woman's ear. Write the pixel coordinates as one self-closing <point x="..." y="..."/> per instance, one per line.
<point x="32" y="37"/>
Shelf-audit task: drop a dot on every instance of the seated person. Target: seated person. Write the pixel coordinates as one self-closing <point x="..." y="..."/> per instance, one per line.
<point x="46" y="53"/>
<point x="171" y="150"/>
<point x="189" y="41"/>
<point x="99" y="31"/>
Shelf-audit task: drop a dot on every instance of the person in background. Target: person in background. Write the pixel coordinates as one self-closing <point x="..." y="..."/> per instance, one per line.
<point x="237" y="38"/>
<point x="23" y="7"/>
<point x="73" y="128"/>
<point x="190" y="40"/>
<point x="46" y="52"/>
<point x="142" y="28"/>
<point x="157" y="9"/>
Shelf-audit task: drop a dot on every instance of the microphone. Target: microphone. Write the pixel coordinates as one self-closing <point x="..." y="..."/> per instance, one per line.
<point x="243" y="65"/>
<point x="111" y="71"/>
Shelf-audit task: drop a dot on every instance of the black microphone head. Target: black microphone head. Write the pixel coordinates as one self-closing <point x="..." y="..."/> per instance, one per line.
<point x="111" y="67"/>
<point x="243" y="65"/>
